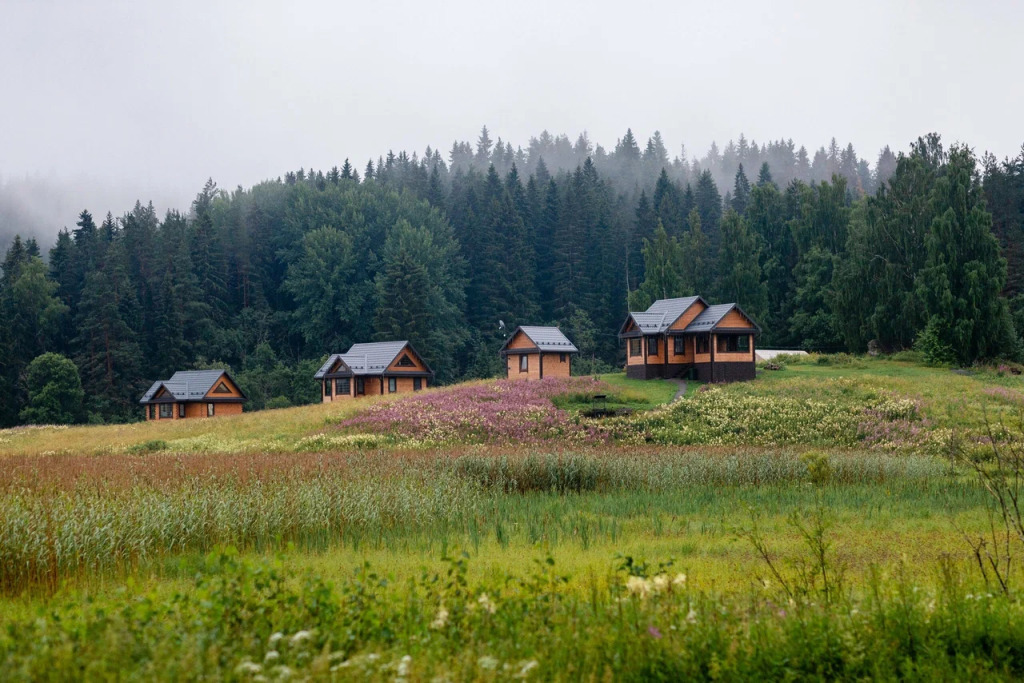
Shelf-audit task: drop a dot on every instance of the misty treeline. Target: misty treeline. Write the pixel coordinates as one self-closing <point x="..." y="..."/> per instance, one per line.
<point x="823" y="250"/>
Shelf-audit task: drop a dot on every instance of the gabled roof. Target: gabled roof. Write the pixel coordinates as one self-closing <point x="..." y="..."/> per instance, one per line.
<point x="712" y="315"/>
<point x="188" y="385"/>
<point x="370" y="358"/>
<point x="544" y="338"/>
<point x="660" y="315"/>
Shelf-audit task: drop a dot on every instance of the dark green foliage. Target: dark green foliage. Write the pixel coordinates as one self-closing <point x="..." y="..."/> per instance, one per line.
<point x="963" y="272"/>
<point x="55" y="393"/>
<point x="439" y="251"/>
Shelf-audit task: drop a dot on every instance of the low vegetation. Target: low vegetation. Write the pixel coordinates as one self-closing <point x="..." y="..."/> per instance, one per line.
<point x="831" y="519"/>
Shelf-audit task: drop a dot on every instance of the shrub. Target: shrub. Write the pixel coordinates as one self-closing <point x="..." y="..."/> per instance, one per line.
<point x="819" y="468"/>
<point x="151" y="446"/>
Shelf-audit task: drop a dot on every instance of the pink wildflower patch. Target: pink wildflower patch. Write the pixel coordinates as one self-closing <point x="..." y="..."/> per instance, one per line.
<point x="501" y="411"/>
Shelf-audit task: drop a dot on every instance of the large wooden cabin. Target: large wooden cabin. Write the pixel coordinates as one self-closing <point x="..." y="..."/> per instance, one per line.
<point x="686" y="337"/>
<point x="538" y="352"/>
<point x="372" y="370"/>
<point x="193" y="393"/>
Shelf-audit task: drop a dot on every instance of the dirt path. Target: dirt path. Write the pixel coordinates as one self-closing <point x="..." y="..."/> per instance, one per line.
<point x="681" y="391"/>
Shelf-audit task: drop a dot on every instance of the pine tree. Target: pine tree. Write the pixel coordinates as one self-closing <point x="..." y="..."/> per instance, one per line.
<point x="695" y="251"/>
<point x="740" y="192"/>
<point x="964" y="273"/>
<point x="662" y="271"/>
<point x="739" y="270"/>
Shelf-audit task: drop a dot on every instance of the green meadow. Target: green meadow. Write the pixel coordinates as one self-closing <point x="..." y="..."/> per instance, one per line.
<point x="827" y="520"/>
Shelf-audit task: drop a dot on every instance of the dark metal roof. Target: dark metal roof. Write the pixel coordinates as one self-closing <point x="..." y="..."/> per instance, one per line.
<point x="712" y="315"/>
<point x="187" y="385"/>
<point x="660" y="315"/>
<point x="544" y="338"/>
<point x="370" y="358"/>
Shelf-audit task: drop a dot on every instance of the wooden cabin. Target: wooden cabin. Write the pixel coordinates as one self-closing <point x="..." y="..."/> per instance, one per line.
<point x="193" y="393"/>
<point x="687" y="337"/>
<point x="537" y="352"/>
<point x="373" y="369"/>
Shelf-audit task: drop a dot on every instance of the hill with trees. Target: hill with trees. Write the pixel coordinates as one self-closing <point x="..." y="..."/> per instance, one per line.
<point x="827" y="253"/>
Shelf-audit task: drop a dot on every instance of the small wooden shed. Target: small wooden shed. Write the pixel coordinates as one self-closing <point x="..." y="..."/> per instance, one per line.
<point x="534" y="352"/>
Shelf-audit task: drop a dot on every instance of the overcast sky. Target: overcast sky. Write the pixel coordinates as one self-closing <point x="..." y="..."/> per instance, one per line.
<point x="150" y="98"/>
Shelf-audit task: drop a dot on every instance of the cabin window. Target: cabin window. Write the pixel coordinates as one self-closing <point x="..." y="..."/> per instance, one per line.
<point x="343" y="386"/>
<point x="405" y="361"/>
<point x="679" y="346"/>
<point x="524" y="363"/>
<point x="209" y="410"/>
<point x="703" y="343"/>
<point x="392" y="385"/>
<point x="417" y="383"/>
<point x="561" y="358"/>
<point x="634" y="347"/>
<point x="166" y="411"/>
<point x="652" y="346"/>
<point x="327" y="387"/>
<point x="181" y="410"/>
<point x="361" y="386"/>
<point x="222" y="389"/>
<point x="734" y="343"/>
<point x="152" y="411"/>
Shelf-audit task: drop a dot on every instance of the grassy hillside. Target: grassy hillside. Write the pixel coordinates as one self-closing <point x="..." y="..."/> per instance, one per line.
<point x="474" y="529"/>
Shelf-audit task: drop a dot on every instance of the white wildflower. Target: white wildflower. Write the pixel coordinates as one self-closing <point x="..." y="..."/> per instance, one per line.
<point x="638" y="586"/>
<point x="487" y="662"/>
<point x="271" y="656"/>
<point x="679" y="581"/>
<point x="275" y="638"/>
<point x="283" y="672"/>
<point x="403" y="666"/>
<point x="525" y="668"/>
<point x="487" y="604"/>
<point x="660" y="583"/>
<point x="300" y="636"/>
<point x="441" y="620"/>
<point x="248" y="668"/>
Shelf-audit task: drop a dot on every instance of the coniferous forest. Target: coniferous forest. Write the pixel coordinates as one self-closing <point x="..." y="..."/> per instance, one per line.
<point x="922" y="249"/>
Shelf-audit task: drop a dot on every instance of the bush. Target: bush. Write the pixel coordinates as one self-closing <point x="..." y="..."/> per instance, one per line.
<point x="279" y="402"/>
<point x="819" y="467"/>
<point x="55" y="393"/>
<point x="151" y="446"/>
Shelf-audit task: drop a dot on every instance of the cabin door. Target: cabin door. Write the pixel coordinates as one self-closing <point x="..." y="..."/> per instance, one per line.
<point x="360" y="386"/>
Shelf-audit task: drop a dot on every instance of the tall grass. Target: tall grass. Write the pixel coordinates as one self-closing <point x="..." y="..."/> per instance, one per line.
<point x="121" y="512"/>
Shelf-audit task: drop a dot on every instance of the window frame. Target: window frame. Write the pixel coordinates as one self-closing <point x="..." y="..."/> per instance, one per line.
<point x="561" y="358"/>
<point x="702" y="344"/>
<point x="679" y="345"/>
<point x="743" y="343"/>
<point x="361" y="386"/>
<point x="181" y="411"/>
<point x="636" y="348"/>
<point x="342" y="386"/>
<point x="392" y="385"/>
<point x="405" y="362"/>
<point x="652" y="346"/>
<point x="166" y="411"/>
<point x="211" y="409"/>
<point x="524" y="362"/>
<point x="327" y="388"/>
<point x="222" y="388"/>
<point x="417" y="383"/>
<point x="152" y="411"/>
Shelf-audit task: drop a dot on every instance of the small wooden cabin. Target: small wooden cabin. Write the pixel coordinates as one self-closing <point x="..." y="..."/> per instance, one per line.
<point x="372" y="370"/>
<point x="688" y="337"/>
<point x="538" y="352"/>
<point x="193" y="393"/>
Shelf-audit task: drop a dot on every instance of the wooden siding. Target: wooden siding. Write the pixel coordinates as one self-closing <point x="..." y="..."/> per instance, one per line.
<point x="735" y="319"/>
<point x="418" y="365"/>
<point x="234" y="391"/>
<point x="520" y="341"/>
<point x="686" y="318"/>
<point x="741" y="357"/>
<point x="195" y="409"/>
<point x="533" y="365"/>
<point x="686" y="356"/>
<point x="636" y="360"/>
<point x="555" y="367"/>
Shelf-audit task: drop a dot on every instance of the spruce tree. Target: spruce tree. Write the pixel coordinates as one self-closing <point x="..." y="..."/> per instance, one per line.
<point x="739" y="270"/>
